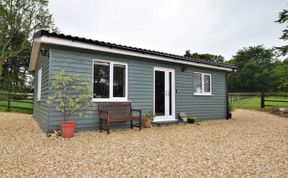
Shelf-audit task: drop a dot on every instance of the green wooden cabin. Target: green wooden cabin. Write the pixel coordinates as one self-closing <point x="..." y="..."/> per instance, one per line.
<point x="163" y="83"/>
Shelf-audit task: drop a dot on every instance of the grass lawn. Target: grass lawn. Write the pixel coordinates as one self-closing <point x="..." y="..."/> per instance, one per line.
<point x="17" y="104"/>
<point x="4" y="95"/>
<point x="254" y="102"/>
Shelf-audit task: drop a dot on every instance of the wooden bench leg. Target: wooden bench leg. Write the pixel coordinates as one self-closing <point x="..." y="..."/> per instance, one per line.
<point x="108" y="126"/>
<point x="140" y="123"/>
<point x="100" y="125"/>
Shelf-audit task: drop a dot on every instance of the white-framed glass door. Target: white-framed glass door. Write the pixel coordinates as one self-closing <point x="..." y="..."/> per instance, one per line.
<point x="164" y="94"/>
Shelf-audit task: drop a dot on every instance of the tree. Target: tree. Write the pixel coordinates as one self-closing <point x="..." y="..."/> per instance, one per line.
<point x="72" y="95"/>
<point x="15" y="73"/>
<point x="283" y="19"/>
<point x="206" y="56"/>
<point x="255" y="70"/>
<point x="281" y="72"/>
<point x="19" y="19"/>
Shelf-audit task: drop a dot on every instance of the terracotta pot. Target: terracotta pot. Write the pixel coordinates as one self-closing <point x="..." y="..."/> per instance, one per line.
<point x="184" y="118"/>
<point x="147" y="123"/>
<point x="68" y="129"/>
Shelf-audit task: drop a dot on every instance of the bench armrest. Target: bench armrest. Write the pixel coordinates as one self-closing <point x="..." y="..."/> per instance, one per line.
<point x="137" y="110"/>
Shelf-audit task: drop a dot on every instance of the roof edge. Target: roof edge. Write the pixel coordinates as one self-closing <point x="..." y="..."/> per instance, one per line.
<point x="44" y="36"/>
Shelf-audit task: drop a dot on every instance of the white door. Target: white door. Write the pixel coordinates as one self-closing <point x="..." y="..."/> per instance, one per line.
<point x="164" y="94"/>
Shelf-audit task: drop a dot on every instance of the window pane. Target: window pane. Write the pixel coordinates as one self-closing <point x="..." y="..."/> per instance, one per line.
<point x="198" y="83"/>
<point x="101" y="80"/>
<point x="207" y="84"/>
<point x="159" y="93"/>
<point x="119" y="81"/>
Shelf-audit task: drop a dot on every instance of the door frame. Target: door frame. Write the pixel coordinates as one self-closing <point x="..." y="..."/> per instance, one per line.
<point x="173" y="103"/>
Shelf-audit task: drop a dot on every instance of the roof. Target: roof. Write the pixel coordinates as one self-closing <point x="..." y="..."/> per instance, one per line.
<point x="44" y="33"/>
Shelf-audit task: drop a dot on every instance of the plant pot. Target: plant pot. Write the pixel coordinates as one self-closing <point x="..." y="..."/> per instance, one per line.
<point x="147" y="123"/>
<point x="68" y="129"/>
<point x="183" y="118"/>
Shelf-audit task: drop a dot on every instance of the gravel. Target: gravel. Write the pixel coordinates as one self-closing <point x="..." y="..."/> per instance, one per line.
<point x="252" y="144"/>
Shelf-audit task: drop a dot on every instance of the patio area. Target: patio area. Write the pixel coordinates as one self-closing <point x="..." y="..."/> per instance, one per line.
<point x="252" y="143"/>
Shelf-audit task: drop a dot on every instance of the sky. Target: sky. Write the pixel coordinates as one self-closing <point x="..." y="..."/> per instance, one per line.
<point x="219" y="27"/>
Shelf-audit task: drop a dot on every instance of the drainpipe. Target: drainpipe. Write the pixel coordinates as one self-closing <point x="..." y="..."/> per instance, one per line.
<point x="228" y="114"/>
<point x="227" y="97"/>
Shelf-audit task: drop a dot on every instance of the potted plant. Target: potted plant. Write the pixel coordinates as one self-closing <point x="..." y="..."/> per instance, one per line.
<point x="191" y="119"/>
<point x="148" y="119"/>
<point x="72" y="95"/>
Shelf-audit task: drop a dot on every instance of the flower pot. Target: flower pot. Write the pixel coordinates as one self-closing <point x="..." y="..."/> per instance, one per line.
<point x="147" y="123"/>
<point x="68" y="129"/>
<point x="183" y="118"/>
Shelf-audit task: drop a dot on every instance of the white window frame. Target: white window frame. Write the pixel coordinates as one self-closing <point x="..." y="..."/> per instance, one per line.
<point x="203" y="85"/>
<point x="111" y="80"/>
<point x="39" y="84"/>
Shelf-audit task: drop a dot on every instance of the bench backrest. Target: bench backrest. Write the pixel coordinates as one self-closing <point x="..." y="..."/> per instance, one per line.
<point x="116" y="109"/>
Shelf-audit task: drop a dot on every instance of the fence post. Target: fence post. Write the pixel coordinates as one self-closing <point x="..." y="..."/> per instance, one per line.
<point x="9" y="102"/>
<point x="262" y="104"/>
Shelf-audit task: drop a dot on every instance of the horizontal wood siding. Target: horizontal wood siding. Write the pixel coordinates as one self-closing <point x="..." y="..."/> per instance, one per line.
<point x="203" y="107"/>
<point x="140" y="86"/>
<point x="41" y="108"/>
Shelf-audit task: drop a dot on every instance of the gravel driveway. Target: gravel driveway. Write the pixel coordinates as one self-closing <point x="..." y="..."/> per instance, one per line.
<point x="252" y="143"/>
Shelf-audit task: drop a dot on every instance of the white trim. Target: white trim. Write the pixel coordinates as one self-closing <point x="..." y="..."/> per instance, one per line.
<point x="39" y="84"/>
<point x="167" y="116"/>
<point x="111" y="79"/>
<point x="82" y="45"/>
<point x="203" y="93"/>
<point x="34" y="55"/>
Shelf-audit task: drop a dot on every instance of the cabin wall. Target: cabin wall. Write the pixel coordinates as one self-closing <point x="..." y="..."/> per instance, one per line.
<point x="41" y="108"/>
<point x="140" y="85"/>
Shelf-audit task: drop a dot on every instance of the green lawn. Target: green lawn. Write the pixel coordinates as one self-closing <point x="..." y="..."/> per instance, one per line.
<point x="254" y="102"/>
<point x="4" y="95"/>
<point x="13" y="103"/>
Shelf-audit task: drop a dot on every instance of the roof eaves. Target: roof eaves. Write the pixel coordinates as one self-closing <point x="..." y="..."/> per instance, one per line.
<point x="130" y="48"/>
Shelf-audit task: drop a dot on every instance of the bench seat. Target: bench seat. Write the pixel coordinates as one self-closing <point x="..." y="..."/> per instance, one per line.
<point x="118" y="112"/>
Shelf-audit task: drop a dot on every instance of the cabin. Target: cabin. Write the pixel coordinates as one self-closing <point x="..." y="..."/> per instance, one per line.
<point x="163" y="83"/>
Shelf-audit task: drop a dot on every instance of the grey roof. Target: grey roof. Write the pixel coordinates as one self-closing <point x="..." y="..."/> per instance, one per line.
<point x="130" y="48"/>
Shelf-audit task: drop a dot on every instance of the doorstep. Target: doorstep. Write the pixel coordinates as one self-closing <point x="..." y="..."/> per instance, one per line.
<point x="159" y="123"/>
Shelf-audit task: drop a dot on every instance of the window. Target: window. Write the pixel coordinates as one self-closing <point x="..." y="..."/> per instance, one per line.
<point x="39" y="83"/>
<point x="202" y="84"/>
<point x="109" y="81"/>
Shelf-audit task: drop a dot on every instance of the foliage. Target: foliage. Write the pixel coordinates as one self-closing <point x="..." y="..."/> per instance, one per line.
<point x="19" y="19"/>
<point x="281" y="72"/>
<point x="283" y="19"/>
<point x="15" y="74"/>
<point x="255" y="70"/>
<point x="71" y="94"/>
<point x="149" y="115"/>
<point x="191" y="119"/>
<point x="211" y="57"/>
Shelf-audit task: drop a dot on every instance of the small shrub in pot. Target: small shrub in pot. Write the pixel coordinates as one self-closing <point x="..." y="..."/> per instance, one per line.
<point x="148" y="119"/>
<point x="71" y="95"/>
<point x="191" y="120"/>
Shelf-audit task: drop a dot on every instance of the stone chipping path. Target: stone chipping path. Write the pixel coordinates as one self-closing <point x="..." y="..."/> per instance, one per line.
<point x="252" y="144"/>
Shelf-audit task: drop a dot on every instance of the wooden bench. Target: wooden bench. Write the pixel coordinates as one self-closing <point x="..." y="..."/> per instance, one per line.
<point x="117" y="112"/>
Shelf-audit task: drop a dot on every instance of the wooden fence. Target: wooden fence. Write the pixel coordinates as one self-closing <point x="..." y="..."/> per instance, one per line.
<point x="22" y="101"/>
<point x="263" y="99"/>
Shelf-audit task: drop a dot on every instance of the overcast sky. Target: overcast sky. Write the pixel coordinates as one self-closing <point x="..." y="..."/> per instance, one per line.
<point x="219" y="27"/>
